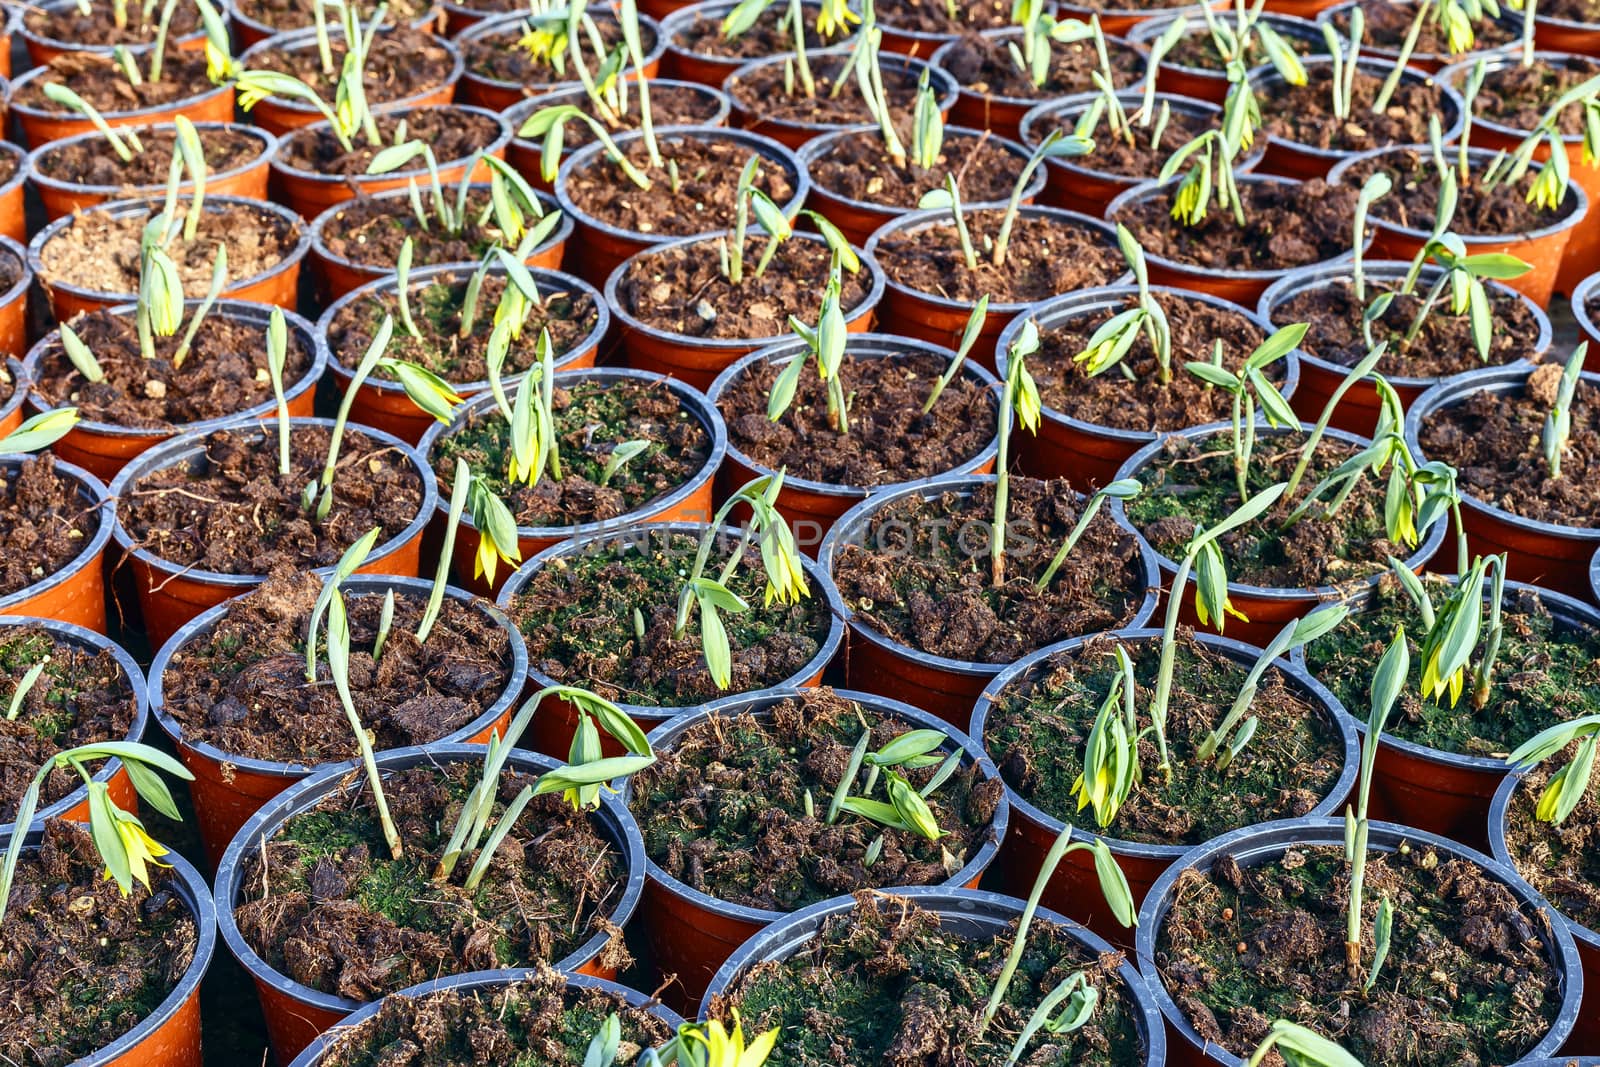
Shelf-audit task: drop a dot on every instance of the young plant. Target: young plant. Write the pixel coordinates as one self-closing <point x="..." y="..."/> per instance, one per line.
<point x="219" y="61"/>
<point x="1250" y="386"/>
<point x="1300" y="1047"/>
<point x="1451" y="630"/>
<point x="826" y="344"/>
<point x="1210" y="174"/>
<point x="1111" y="754"/>
<point x="710" y="1045"/>
<point x="550" y="123"/>
<point x="1040" y="30"/>
<point x="904" y="807"/>
<point x="1387" y="682"/>
<point x="277" y="359"/>
<point x="969" y="337"/>
<point x="1056" y="145"/>
<point x="1566" y="788"/>
<point x="1121" y="489"/>
<point x="39" y="432"/>
<point x="1233" y="44"/>
<point x="770" y="216"/>
<point x="1116" y="336"/>
<point x="1020" y="400"/>
<point x="1558" y="420"/>
<point x="159" y="310"/>
<point x="1549" y="187"/>
<point x="1375" y="188"/>
<point x="512" y="201"/>
<point x="1345" y="58"/>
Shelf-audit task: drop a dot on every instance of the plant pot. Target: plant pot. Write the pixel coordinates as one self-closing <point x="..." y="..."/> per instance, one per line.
<point x="689" y="502"/>
<point x="42" y="48"/>
<point x="602" y="246"/>
<point x="1301" y="9"/>
<point x="497" y="94"/>
<point x="1566" y="35"/>
<point x="1338" y="17"/>
<point x="1543" y="248"/>
<point x="170" y="1035"/>
<point x="77" y="592"/>
<point x="693" y="933"/>
<point x="698" y="360"/>
<point x="1210" y="84"/>
<point x="104" y="448"/>
<point x="1122" y="20"/>
<point x="879" y="663"/>
<point x="14" y="301"/>
<point x="249" y="31"/>
<point x="811" y="506"/>
<point x="10" y="25"/>
<point x="297" y="1014"/>
<point x="1085" y="453"/>
<point x="939" y="320"/>
<point x="249" y="180"/>
<point x="171" y="594"/>
<point x="551" y="731"/>
<point x="971" y="912"/>
<point x="13" y="215"/>
<point x="311" y="193"/>
<point x="1074" y="890"/>
<point x="485" y="983"/>
<point x="11" y="407"/>
<point x="1267" y="609"/>
<point x="382" y="402"/>
<point x="40" y="126"/>
<point x="860" y="219"/>
<point x="278" y="285"/>
<point x="1358" y="409"/>
<point x="1266" y="841"/>
<point x="1581" y="295"/>
<point x="339" y="275"/>
<point x="679" y="61"/>
<point x="1556" y="557"/>
<point x="1594" y="577"/>
<point x="74" y="807"/>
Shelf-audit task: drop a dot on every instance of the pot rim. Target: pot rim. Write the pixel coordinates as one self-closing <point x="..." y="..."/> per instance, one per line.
<point x="269" y="149"/>
<point x="1501" y="849"/>
<point x="35" y="73"/>
<point x="20" y="385"/>
<point x="263" y="30"/>
<point x="947" y="88"/>
<point x="306" y="37"/>
<point x="715" y="9"/>
<point x="100" y="499"/>
<point x="1143" y="14"/>
<point x="1077" y="103"/>
<point x="19" y="26"/>
<point x="520" y="112"/>
<point x="24" y="258"/>
<point x="287" y="170"/>
<point x="1146" y="31"/>
<point x="1264" y="80"/>
<point x="1581" y="293"/>
<point x="1025" y="103"/>
<point x="490" y="23"/>
<point x="1511" y="47"/>
<point x="24" y="160"/>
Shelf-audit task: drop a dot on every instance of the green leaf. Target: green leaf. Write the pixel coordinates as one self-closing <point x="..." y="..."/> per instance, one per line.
<point x="1114" y="885"/>
<point x="1311" y="1046"/>
<point x="1212" y="374"/>
<point x="784" y="388"/>
<point x="152" y="789"/>
<point x="909" y="744"/>
<point x="594" y="772"/>
<point x="40" y="431"/>
<point x="876" y="810"/>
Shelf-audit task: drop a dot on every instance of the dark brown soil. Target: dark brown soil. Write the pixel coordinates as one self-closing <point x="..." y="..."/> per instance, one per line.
<point x="670" y="105"/>
<point x="1138" y="158"/>
<point x="90" y="163"/>
<point x="933" y="16"/>
<point x="1443" y="346"/>
<point x="681" y="290"/>
<point x="1388" y="22"/>
<point x="99" y="28"/>
<point x="436" y="307"/>
<point x="768" y="37"/>
<point x="96" y="77"/>
<point x="297" y="14"/>
<point x="1518" y="96"/>
<point x="1479" y="210"/>
<point x="323" y="903"/>
<point x="920" y="573"/>
<point x="453" y="134"/>
<point x="83" y="964"/>
<point x="1196" y="49"/>
<point x="1046" y="257"/>
<point x="761" y="92"/>
<point x="499" y="57"/>
<point x="859" y="167"/>
<point x="577" y="614"/>
<point x="1494" y="442"/>
<point x="1146" y="405"/>
<point x="1287" y="224"/>
<point x="708" y="168"/>
<point x="100" y="252"/>
<point x="1466" y="981"/>
<point x="592" y="417"/>
<point x="724" y="807"/>
<point x="1562" y="862"/>
<point x="402" y="63"/>
<point x="1303" y="114"/>
<point x="83" y="696"/>
<point x="44" y="523"/>
<point x="533" y="1019"/>
<point x="233" y="512"/>
<point x="1571" y="10"/>
<point x="983" y="65"/>
<point x="9" y="165"/>
<point x="890" y="439"/>
<point x="224" y="372"/>
<point x="370" y="231"/>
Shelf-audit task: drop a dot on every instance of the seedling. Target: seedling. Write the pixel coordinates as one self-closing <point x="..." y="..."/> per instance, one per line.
<point x="512" y="201"/>
<point x="24" y="687"/>
<point x="1549" y="187"/>
<point x="1019" y="400"/>
<point x="1345" y="57"/>
<point x="905" y="808"/>
<point x="550" y="124"/>
<point x="1558" y="420"/>
<point x="1249" y="387"/>
<point x="1111" y="754"/>
<point x="1375" y="188"/>
<point x="1452" y="630"/>
<point x="770" y="216"/>
<point x="1211" y="174"/>
<point x="826" y="344"/>
<point x="1233" y="44"/>
<point x="1116" y="336"/>
<point x="1121" y="489"/>
<point x="1566" y="788"/>
<point x="710" y="1045"/>
<point x="1301" y="1047"/>
<point x="277" y="359"/>
<point x="1387" y="682"/>
<point x="39" y="432"/>
<point x="969" y="337"/>
<point x="1040" y="30"/>
<point x="159" y="311"/>
<point x="219" y="61"/>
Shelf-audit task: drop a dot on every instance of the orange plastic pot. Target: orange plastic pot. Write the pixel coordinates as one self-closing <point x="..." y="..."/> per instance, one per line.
<point x="1210" y="84"/>
<point x="42" y="48"/>
<point x="382" y="402"/>
<point x="497" y="94"/>
<point x="248" y="180"/>
<point x="1566" y="35"/>
<point x="14" y="301"/>
<point x="104" y="448"/>
<point x="1338" y="17"/>
<point x="1543" y="248"/>
<point x="689" y="502"/>
<point x="295" y="1014"/>
<point x="77" y="592"/>
<point x="11" y="407"/>
<point x="1121" y="20"/>
<point x="940" y="320"/>
<point x="10" y="24"/>
<point x="1300" y="9"/>
<point x="879" y="663"/>
<point x="278" y="284"/>
<point x="40" y="126"/>
<point x="810" y="506"/>
<point x="249" y="32"/>
<point x="13" y="209"/>
<point x="170" y="594"/>
<point x="337" y="275"/>
<point x="1581" y="295"/>
<point x="698" y="360"/>
<point x="680" y="61"/>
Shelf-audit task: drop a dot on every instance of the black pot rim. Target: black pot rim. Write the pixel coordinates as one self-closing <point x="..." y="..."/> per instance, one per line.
<point x="519" y="113"/>
<point x="1511" y="47"/>
<point x="1144" y="14"/>
<point x="928" y="489"/>
<point x="1113" y="41"/>
<point x="1498" y="845"/>
<point x="946" y="87"/>
<point x="24" y="160"/>
<point x="306" y="37"/>
<point x="20" y="385"/>
<point x="24" y="258"/>
<point x="269" y="149"/>
<point x="124" y="116"/>
<point x="20" y="27"/>
<point x="490" y="23"/>
<point x="100" y="500"/>
<point x="279" y="166"/>
<point x="616" y="820"/>
<point x="1581" y="294"/>
<point x="1262" y="80"/>
<point x="1294" y="25"/>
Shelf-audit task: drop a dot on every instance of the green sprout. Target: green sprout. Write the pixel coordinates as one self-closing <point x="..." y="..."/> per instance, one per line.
<point x="1558" y="420"/>
<point x="1301" y="1047"/>
<point x="349" y="113"/>
<point x="1020" y="399"/>
<point x="769" y="215"/>
<point x="512" y="201"/>
<point x="1211" y="157"/>
<point x="1345" y="57"/>
<point x="905" y="808"/>
<point x="1116" y="336"/>
<point x="1387" y="682"/>
<point x="550" y="123"/>
<point x="1566" y="788"/>
<point x="826" y="344"/>
<point x="1249" y="386"/>
<point x="1111" y="754"/>
<point x="1121" y="489"/>
<point x="40" y="431"/>
<point x="710" y="1045"/>
<point x="969" y="337"/>
<point x="24" y="687"/>
<point x="277" y="358"/>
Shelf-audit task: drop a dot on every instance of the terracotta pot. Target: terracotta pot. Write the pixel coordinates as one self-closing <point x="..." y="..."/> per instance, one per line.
<point x="40" y="126"/>
<point x="1301" y="9"/>
<point x="229" y="788"/>
<point x="1088" y="454"/>
<point x="278" y="285"/>
<point x="11" y="406"/>
<point x="689" y="502"/>
<point x="170" y="594"/>
<point x="678" y="61"/>
<point x="338" y="275"/>
<point x="1428" y="62"/>
<point x="13" y="213"/>
<point x="1544" y="248"/>
<point x="42" y="48"/>
<point x="698" y="360"/>
<point x="249" y="32"/>
<point x="282" y="116"/>
<point x="527" y="156"/>
<point x="311" y="193"/>
<point x="248" y="180"/>
<point x="1358" y="409"/>
<point x="1556" y="557"/>
<point x="692" y="933"/>
<point x="297" y="1014"/>
<point x="170" y="1035"/>
<point x="1268" y="609"/>
<point x="1210" y="84"/>
<point x="879" y="663"/>
<point x="1122" y="20"/>
<point x="551" y="730"/>
<point x="77" y="592"/>
<point x="14" y="301"/>
<point x="382" y="402"/>
<point x="940" y="320"/>
<point x="751" y="114"/>
<point x="74" y="807"/>
<point x="458" y="18"/>
<point x="1566" y="35"/>
<point x="1074" y="890"/>
<point x="104" y="448"/>
<point x="10" y="25"/>
<point x="497" y="94"/>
